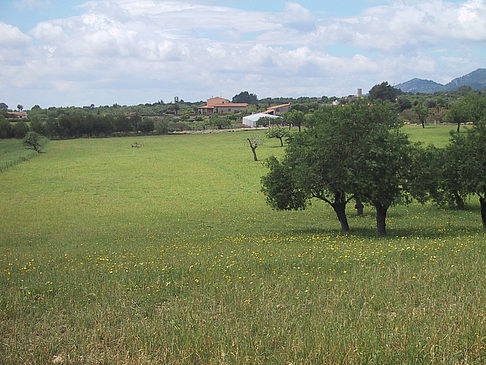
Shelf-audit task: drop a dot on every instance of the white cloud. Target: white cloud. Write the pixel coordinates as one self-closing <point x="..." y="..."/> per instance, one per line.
<point x="12" y="37"/>
<point x="298" y="17"/>
<point x="406" y="24"/>
<point x="196" y="49"/>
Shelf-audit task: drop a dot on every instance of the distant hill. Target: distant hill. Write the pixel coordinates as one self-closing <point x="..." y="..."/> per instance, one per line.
<point x="475" y="79"/>
<point x="420" y="86"/>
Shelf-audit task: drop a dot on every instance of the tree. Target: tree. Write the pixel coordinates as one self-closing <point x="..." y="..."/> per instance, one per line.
<point x="424" y="173"/>
<point x="383" y="92"/>
<point x="245" y="97"/>
<point x="32" y="140"/>
<point x="470" y="108"/>
<point x="471" y="164"/>
<point x="422" y="112"/>
<point x="5" y="128"/>
<point x="475" y="168"/>
<point x="359" y="206"/>
<point x="3" y="106"/>
<point x="381" y="163"/>
<point x="162" y="126"/>
<point x="295" y="117"/>
<point x="278" y="132"/>
<point x="315" y="166"/>
<point x="147" y="125"/>
<point x="135" y="121"/>
<point x="254" y="143"/>
<point x="19" y="129"/>
<point x="20" y="107"/>
<point x="347" y="152"/>
<point x="38" y="126"/>
<point x="265" y="122"/>
<point x="302" y="176"/>
<point x="451" y="186"/>
<point x="404" y="103"/>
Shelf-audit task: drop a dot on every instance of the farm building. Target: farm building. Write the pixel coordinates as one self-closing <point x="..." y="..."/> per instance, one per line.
<point x="222" y="106"/>
<point x="17" y="115"/>
<point x="251" y="120"/>
<point x="278" y="109"/>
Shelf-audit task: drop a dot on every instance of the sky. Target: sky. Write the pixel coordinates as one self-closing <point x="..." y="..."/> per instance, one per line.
<point x="102" y="52"/>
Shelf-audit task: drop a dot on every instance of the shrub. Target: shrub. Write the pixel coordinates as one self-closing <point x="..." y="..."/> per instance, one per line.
<point x="32" y="140"/>
<point x="5" y="129"/>
<point x="20" y="129"/>
<point x="161" y="126"/>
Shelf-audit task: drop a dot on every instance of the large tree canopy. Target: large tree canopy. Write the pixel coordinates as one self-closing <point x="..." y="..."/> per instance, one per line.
<point x="245" y="97"/>
<point x="470" y="108"/>
<point x="355" y="150"/>
<point x="465" y="173"/>
<point x="295" y="117"/>
<point x="384" y="91"/>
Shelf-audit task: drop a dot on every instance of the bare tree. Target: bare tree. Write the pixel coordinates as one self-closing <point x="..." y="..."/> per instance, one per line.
<point x="254" y="143"/>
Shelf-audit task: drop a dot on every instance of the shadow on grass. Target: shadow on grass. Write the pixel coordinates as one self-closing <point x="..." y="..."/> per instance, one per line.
<point x="420" y="232"/>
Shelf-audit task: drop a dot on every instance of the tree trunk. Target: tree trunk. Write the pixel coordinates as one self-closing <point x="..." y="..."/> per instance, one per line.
<point x="423" y="124"/>
<point x="483" y="211"/>
<point x="359" y="207"/>
<point x="340" y="209"/>
<point x="281" y="141"/>
<point x="253" y="149"/>
<point x="380" y="219"/>
<point x="299" y="127"/>
<point x="458" y="127"/>
<point x="459" y="201"/>
<point x="254" y="154"/>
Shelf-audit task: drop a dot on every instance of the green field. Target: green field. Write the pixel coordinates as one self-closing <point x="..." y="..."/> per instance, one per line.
<point x="168" y="254"/>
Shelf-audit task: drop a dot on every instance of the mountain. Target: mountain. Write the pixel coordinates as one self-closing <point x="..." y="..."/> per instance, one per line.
<point x="475" y="80"/>
<point x="420" y="86"/>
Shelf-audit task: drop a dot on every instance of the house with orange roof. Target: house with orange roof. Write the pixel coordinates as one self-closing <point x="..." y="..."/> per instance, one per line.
<point x="278" y="109"/>
<point x="17" y="115"/>
<point x="221" y="106"/>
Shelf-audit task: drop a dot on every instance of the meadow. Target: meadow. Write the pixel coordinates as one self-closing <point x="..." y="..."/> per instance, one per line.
<point x="169" y="254"/>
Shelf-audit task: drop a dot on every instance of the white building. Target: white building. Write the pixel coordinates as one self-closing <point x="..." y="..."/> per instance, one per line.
<point x="251" y="120"/>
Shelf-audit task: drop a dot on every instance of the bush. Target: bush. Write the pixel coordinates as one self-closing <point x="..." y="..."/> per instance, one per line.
<point x="177" y="127"/>
<point x="38" y="127"/>
<point x="146" y="125"/>
<point x="161" y="126"/>
<point x="32" y="140"/>
<point x="5" y="128"/>
<point x="20" y="129"/>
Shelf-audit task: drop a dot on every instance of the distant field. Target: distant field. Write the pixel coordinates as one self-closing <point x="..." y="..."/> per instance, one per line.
<point x="168" y="254"/>
<point x="433" y="134"/>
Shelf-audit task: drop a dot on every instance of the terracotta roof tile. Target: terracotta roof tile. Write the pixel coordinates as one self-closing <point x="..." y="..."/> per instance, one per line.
<point x="278" y="106"/>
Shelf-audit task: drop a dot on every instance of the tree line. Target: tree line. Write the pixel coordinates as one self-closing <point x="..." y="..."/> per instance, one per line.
<point x="159" y="118"/>
<point x="359" y="152"/>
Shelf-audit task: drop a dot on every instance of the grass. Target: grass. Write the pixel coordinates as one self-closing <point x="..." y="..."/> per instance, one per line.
<point x="437" y="135"/>
<point x="168" y="254"/>
<point x="13" y="152"/>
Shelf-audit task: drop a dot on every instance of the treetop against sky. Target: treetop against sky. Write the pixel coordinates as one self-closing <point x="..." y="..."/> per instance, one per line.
<point x="77" y="52"/>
